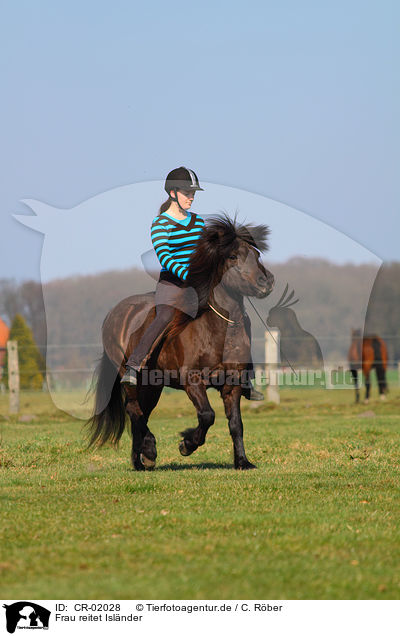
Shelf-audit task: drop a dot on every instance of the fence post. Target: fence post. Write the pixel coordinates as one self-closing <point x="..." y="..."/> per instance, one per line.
<point x="13" y="375"/>
<point x="272" y="358"/>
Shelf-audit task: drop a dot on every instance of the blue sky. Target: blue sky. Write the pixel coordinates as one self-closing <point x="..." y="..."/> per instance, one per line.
<point x="295" y="101"/>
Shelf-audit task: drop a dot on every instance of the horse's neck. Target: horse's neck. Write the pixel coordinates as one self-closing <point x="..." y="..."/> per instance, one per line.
<point x="228" y="305"/>
<point x="357" y="346"/>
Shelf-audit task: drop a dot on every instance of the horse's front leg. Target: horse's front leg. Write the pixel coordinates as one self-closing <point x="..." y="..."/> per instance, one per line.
<point x="354" y="375"/>
<point x="367" y="386"/>
<point x="195" y="437"/>
<point x="231" y="397"/>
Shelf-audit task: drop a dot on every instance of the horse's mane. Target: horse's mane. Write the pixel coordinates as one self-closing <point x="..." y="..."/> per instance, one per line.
<point x="217" y="240"/>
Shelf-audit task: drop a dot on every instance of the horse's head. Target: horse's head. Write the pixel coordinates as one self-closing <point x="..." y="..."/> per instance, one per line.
<point x="228" y="253"/>
<point x="243" y="271"/>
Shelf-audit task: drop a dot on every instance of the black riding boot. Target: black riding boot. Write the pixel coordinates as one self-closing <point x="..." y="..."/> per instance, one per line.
<point x="139" y="356"/>
<point x="248" y="391"/>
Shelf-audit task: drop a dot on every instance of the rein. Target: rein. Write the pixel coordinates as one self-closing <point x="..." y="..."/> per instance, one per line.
<point x="269" y="331"/>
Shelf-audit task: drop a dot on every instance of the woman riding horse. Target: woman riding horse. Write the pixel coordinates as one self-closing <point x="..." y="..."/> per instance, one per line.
<point x="174" y="234"/>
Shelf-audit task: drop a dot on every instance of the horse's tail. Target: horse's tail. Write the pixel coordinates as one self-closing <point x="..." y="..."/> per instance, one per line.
<point x="108" y="420"/>
<point x="380" y="360"/>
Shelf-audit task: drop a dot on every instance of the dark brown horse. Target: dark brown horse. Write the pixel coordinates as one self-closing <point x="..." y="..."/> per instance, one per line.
<point x="213" y="349"/>
<point x="367" y="353"/>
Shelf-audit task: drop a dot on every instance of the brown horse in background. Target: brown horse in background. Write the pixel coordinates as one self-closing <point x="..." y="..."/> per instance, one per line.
<point x="367" y="353"/>
<point x="211" y="348"/>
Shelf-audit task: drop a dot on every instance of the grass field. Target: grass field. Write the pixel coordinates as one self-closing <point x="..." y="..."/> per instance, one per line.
<point x="318" y="519"/>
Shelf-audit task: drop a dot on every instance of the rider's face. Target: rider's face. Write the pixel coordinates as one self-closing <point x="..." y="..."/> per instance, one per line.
<point x="185" y="198"/>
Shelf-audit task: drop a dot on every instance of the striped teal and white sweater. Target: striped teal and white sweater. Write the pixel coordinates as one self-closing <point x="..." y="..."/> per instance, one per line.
<point x="174" y="241"/>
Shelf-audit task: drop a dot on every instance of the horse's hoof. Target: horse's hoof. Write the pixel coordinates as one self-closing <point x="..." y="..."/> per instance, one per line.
<point x="246" y="465"/>
<point x="366" y="401"/>
<point x="184" y="450"/>
<point x="383" y="397"/>
<point x="137" y="464"/>
<point x="147" y="463"/>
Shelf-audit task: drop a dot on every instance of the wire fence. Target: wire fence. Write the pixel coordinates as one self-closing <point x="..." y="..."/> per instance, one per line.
<point x="69" y="366"/>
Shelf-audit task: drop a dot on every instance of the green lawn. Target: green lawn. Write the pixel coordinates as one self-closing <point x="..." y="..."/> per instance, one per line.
<point x="318" y="519"/>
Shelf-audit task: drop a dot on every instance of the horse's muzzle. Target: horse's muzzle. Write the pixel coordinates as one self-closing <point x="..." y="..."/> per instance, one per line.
<point x="265" y="285"/>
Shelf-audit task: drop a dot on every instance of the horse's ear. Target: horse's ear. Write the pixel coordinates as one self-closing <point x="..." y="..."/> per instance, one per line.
<point x="260" y="234"/>
<point x="256" y="235"/>
<point x="216" y="239"/>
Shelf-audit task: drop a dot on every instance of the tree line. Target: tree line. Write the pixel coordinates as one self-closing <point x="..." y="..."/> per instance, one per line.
<point x="71" y="311"/>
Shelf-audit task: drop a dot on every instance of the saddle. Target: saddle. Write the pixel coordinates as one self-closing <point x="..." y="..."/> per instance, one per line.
<point x="137" y="312"/>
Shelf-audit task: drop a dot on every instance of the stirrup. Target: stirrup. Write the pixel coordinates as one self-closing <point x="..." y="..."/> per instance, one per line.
<point x="130" y="376"/>
<point x="250" y="393"/>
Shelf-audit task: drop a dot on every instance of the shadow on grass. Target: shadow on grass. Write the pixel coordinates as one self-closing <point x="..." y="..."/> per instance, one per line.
<point x="204" y="466"/>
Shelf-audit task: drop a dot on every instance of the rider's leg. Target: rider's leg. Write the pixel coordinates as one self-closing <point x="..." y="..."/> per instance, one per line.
<point x="166" y="300"/>
<point x="164" y="314"/>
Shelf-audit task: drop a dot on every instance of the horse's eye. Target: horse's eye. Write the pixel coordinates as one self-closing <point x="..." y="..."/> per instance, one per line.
<point x="233" y="257"/>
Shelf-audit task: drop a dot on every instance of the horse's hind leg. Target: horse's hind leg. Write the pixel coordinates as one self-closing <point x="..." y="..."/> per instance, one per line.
<point x="144" y="452"/>
<point x="381" y="376"/>
<point x="195" y="437"/>
<point x="148" y="399"/>
<point x="138" y="428"/>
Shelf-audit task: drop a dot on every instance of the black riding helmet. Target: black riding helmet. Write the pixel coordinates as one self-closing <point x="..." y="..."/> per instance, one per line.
<point x="181" y="179"/>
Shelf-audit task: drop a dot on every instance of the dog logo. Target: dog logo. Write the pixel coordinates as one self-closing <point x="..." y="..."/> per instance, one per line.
<point x="26" y="615"/>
